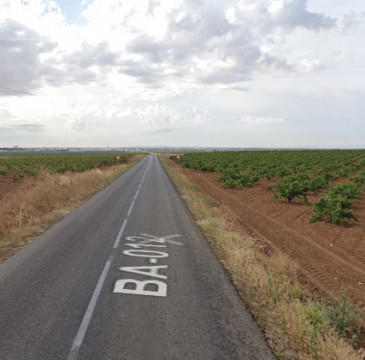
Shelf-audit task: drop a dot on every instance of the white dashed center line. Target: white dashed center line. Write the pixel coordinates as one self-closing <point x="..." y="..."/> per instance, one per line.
<point x="74" y="352"/>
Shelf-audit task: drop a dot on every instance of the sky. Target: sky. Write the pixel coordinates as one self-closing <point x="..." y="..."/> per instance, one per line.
<point x="201" y="73"/>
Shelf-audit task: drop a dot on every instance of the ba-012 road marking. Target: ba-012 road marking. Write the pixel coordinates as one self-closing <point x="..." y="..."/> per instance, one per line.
<point x="153" y="248"/>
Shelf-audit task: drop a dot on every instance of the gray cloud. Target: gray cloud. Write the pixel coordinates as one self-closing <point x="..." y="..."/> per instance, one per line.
<point x="20" y="65"/>
<point x="165" y="117"/>
<point x="144" y="72"/>
<point x="22" y="71"/>
<point x="204" y="43"/>
<point x="151" y="6"/>
<point x="34" y="127"/>
<point x="21" y="127"/>
<point x="5" y="114"/>
<point x="352" y="20"/>
<point x="89" y="55"/>
<point x="67" y="74"/>
<point x="79" y="67"/>
<point x="294" y="14"/>
<point x="86" y="122"/>
<point x="10" y="123"/>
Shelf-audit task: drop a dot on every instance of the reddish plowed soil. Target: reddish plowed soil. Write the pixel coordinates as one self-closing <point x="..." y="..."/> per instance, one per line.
<point x="7" y="184"/>
<point x="328" y="257"/>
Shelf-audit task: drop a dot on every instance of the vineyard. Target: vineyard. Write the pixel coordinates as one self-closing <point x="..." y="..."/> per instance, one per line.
<point x="337" y="175"/>
<point x="32" y="165"/>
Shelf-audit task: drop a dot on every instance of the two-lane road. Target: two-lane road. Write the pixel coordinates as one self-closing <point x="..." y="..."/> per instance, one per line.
<point x="128" y="275"/>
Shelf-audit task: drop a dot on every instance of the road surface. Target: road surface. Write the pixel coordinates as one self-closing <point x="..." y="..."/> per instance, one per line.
<point x="129" y="276"/>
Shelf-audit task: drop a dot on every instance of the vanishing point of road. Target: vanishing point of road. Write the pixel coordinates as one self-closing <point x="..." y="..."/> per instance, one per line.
<point x="127" y="276"/>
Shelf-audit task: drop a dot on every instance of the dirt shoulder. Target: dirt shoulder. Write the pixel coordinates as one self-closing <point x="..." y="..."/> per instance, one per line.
<point x="7" y="184"/>
<point x="329" y="258"/>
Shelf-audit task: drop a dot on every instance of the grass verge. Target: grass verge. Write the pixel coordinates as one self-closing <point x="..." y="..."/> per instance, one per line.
<point x="296" y="326"/>
<point x="40" y="202"/>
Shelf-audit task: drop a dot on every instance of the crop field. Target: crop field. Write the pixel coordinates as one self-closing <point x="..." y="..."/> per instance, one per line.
<point x="15" y="167"/>
<point x="30" y="165"/>
<point x="297" y="174"/>
<point x="307" y="204"/>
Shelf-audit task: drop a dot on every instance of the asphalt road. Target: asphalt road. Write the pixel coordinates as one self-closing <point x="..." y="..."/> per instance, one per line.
<point x="126" y="276"/>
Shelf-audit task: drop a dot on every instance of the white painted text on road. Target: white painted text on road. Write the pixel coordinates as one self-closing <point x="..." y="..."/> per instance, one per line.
<point x="149" y="247"/>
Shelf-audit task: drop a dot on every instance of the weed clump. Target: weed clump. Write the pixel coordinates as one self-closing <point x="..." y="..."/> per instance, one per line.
<point x="334" y="205"/>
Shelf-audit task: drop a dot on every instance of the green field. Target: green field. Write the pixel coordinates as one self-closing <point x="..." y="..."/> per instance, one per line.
<point x="31" y="164"/>
<point x="340" y="174"/>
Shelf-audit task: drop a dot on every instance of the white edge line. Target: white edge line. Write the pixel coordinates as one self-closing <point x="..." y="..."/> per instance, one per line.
<point x="130" y="208"/>
<point x="89" y="312"/>
<point x="117" y="240"/>
<point x="90" y="309"/>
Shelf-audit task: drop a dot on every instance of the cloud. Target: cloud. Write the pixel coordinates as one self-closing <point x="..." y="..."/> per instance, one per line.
<point x="143" y="71"/>
<point x="352" y="20"/>
<point x="5" y="115"/>
<point x="154" y="43"/>
<point x="261" y="120"/>
<point x="93" y="55"/>
<point x="28" y="127"/>
<point x="215" y="42"/>
<point x="158" y="115"/>
<point x="21" y="126"/>
<point x="11" y="122"/>
<point x="20" y="65"/>
<point x="90" y="64"/>
<point x="308" y="66"/>
<point x="154" y="117"/>
<point x="291" y="14"/>
<point x="164" y="117"/>
<point x="84" y="116"/>
<point x="86" y="121"/>
<point x="29" y="61"/>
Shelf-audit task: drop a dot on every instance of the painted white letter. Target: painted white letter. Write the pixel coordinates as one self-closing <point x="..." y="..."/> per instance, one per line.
<point x="146" y="270"/>
<point x="146" y="253"/>
<point x="139" y="287"/>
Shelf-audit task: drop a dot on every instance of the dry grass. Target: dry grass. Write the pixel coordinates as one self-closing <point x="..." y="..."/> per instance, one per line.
<point x="39" y="202"/>
<point x="296" y="327"/>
